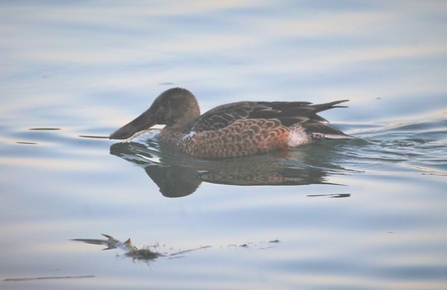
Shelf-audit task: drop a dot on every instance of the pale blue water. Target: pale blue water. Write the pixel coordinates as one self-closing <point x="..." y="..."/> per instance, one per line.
<point x="369" y="213"/>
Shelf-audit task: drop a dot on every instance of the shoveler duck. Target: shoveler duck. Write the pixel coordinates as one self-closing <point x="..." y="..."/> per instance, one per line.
<point x="235" y="129"/>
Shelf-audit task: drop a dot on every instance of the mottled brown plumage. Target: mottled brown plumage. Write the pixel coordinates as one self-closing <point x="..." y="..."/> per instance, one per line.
<point x="235" y="129"/>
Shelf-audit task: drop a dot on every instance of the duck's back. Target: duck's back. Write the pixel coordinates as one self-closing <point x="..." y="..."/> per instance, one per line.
<point x="247" y="128"/>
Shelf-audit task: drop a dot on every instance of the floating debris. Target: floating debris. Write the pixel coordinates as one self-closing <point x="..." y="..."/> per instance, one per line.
<point x="47" y="278"/>
<point x="148" y="253"/>
<point x="331" y="195"/>
<point x="44" y="129"/>
<point x="144" y="254"/>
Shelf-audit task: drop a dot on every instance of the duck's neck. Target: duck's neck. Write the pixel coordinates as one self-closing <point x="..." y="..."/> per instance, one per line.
<point x="175" y="133"/>
<point x="179" y="122"/>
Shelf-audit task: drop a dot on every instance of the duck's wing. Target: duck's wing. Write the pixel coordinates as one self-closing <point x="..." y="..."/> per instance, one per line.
<point x="288" y="113"/>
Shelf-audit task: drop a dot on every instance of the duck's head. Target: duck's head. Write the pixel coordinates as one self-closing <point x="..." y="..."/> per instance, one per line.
<point x="175" y="107"/>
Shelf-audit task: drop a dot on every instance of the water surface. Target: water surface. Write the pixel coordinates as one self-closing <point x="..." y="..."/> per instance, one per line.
<point x="368" y="213"/>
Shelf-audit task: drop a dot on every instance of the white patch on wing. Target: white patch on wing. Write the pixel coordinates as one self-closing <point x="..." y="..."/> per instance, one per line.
<point x="190" y="135"/>
<point x="298" y="137"/>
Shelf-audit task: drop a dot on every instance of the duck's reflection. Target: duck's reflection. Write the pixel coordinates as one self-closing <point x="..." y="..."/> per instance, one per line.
<point x="178" y="176"/>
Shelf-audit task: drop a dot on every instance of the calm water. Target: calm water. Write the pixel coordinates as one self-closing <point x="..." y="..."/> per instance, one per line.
<point x="369" y="213"/>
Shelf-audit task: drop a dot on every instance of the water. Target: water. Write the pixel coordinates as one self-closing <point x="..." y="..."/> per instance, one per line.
<point x="366" y="213"/>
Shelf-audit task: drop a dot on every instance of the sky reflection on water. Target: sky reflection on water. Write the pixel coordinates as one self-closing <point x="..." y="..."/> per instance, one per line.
<point x="87" y="68"/>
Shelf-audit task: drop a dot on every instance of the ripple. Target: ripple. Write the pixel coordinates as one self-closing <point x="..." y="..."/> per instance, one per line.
<point x="414" y="147"/>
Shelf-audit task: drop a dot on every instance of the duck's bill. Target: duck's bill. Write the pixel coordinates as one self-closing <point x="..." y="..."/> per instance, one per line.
<point x="143" y="122"/>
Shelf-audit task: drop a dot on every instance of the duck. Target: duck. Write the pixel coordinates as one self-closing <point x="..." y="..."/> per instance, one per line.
<point x="234" y="129"/>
